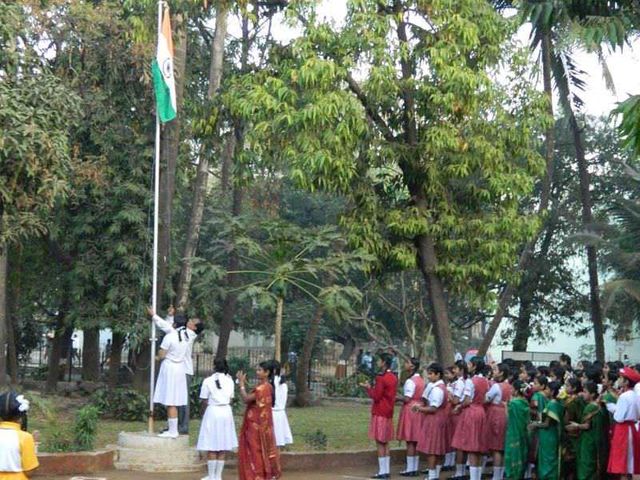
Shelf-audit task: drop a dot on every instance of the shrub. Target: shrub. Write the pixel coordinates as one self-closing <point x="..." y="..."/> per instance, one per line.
<point x="238" y="363"/>
<point x="86" y="427"/>
<point x="347" y="387"/>
<point x="316" y="440"/>
<point x="121" y="403"/>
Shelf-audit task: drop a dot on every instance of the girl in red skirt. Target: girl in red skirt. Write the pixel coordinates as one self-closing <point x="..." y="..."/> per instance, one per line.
<point x="461" y="387"/>
<point x="496" y="416"/>
<point x="470" y="431"/>
<point x="410" y="422"/>
<point x="624" y="456"/>
<point x="435" y="407"/>
<point x="383" y="395"/>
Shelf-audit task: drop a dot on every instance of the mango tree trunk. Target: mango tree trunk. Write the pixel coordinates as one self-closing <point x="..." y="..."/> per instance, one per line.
<point x="278" y="328"/>
<point x="303" y="396"/>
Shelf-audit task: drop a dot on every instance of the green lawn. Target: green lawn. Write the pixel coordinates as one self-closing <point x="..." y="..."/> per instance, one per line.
<point x="345" y="426"/>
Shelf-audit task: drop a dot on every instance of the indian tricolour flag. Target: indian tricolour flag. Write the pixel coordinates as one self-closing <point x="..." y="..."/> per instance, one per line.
<point x="162" y="68"/>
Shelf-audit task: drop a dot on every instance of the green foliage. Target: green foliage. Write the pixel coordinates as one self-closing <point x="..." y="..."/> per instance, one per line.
<point x="316" y="440"/>
<point x="238" y="363"/>
<point x="347" y="387"/>
<point x="86" y="427"/>
<point x="121" y="404"/>
<point x="629" y="110"/>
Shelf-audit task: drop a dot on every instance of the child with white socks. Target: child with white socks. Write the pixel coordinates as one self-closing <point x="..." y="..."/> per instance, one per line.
<point x="217" y="430"/>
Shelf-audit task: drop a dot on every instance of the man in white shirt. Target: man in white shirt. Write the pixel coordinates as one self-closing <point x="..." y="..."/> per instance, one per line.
<point x="175" y="352"/>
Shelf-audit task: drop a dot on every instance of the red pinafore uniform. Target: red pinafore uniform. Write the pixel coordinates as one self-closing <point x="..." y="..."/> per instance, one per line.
<point x="470" y="432"/>
<point x="435" y="428"/>
<point x="410" y="423"/>
<point x="496" y="420"/>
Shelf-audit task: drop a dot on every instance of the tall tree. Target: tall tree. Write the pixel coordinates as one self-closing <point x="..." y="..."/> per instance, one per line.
<point x="433" y="178"/>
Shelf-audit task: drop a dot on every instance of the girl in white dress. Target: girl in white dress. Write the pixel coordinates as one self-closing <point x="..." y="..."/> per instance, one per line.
<point x="280" y="422"/>
<point x="217" y="430"/>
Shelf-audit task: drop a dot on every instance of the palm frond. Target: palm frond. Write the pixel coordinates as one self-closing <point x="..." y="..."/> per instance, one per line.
<point x="612" y="289"/>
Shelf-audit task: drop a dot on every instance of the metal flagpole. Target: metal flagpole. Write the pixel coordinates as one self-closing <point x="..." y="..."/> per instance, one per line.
<point x="154" y="283"/>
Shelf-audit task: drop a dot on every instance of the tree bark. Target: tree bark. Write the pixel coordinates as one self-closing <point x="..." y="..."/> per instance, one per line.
<point x="303" y="396"/>
<point x="61" y="340"/>
<point x="278" y="329"/>
<point x="202" y="176"/>
<point x="521" y="339"/>
<point x="427" y="262"/>
<point x="91" y="354"/>
<point x="115" y="358"/>
<point x="587" y="220"/>
<point x="4" y="318"/>
<point x="169" y="151"/>
<point x="525" y="256"/>
<point x="12" y="351"/>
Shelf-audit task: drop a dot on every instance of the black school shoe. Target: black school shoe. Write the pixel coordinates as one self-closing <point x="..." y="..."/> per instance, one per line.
<point x="450" y="468"/>
<point x="381" y="476"/>
<point x="409" y="474"/>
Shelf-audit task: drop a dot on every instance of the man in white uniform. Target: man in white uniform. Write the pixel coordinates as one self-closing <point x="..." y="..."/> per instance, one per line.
<point x="175" y="353"/>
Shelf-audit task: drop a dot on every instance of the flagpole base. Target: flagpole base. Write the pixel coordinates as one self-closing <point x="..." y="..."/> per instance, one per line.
<point x="144" y="452"/>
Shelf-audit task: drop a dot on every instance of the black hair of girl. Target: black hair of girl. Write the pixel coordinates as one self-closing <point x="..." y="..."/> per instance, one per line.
<point x="10" y="410"/>
<point x="220" y="366"/>
<point x="591" y="387"/>
<point x="277" y="372"/>
<point x="386" y="359"/>
<point x="436" y="368"/>
<point x="543" y="381"/>
<point x="520" y="387"/>
<point x="462" y="366"/>
<point x="267" y="366"/>
<point x="415" y="364"/>
<point x="574" y="383"/>
<point x="478" y="362"/>
<point x="555" y="388"/>
<point x="594" y="374"/>
<point x="505" y="372"/>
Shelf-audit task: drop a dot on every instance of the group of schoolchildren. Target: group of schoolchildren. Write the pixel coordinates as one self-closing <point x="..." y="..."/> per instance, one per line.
<point x="530" y="422"/>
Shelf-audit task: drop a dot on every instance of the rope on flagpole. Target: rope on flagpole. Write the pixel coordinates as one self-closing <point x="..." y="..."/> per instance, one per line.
<point x="154" y="283"/>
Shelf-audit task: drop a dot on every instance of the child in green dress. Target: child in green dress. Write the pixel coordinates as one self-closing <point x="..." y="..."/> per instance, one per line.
<point x="549" y="430"/>
<point x="517" y="440"/>
<point x="589" y="458"/>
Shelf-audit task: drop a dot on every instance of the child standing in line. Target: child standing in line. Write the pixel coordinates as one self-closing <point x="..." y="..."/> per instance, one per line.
<point x="434" y="439"/>
<point x="516" y="446"/>
<point x="470" y="432"/>
<point x="590" y="430"/>
<point x="383" y="394"/>
<point x="461" y="387"/>
<point x="549" y="431"/>
<point x="450" y="380"/>
<point x="409" y="423"/>
<point x="217" y="430"/>
<point x="496" y="422"/>
<point x="17" y="447"/>
<point x="281" y="426"/>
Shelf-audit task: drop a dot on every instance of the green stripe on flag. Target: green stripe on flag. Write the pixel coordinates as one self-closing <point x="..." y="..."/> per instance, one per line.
<point x="163" y="96"/>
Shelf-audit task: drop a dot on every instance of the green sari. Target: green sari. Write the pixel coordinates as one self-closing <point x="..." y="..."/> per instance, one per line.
<point x="516" y="445"/>
<point x="589" y="452"/>
<point x="548" y="462"/>
<point x="573" y="413"/>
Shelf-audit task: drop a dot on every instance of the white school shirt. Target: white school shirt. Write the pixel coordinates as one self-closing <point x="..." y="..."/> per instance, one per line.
<point x="167" y="326"/>
<point x="458" y="388"/>
<point x="282" y="392"/>
<point x="218" y="396"/>
<point x="409" y="387"/>
<point x="176" y="350"/>
<point x="494" y="395"/>
<point x="433" y="395"/>
<point x="469" y="389"/>
<point x="627" y="408"/>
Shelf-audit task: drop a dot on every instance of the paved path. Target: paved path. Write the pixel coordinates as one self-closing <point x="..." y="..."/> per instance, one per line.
<point x="360" y="473"/>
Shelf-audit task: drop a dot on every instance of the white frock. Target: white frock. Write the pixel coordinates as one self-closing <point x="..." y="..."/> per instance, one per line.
<point x="280" y="421"/>
<point x="171" y="386"/>
<point x="217" y="430"/>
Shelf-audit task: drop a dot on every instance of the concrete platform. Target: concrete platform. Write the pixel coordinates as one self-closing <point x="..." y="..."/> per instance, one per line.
<point x="144" y="452"/>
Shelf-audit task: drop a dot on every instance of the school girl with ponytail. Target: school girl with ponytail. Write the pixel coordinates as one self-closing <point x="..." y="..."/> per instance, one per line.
<point x="258" y="456"/>
<point x="410" y="422"/>
<point x="496" y="416"/>
<point x="217" y="430"/>
<point x="470" y="433"/>
<point x="280" y="420"/>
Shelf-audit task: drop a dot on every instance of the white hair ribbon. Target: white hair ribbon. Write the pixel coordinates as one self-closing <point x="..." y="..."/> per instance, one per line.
<point x="24" y="403"/>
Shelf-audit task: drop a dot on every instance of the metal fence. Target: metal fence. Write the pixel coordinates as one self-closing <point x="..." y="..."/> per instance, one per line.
<point x="537" y="358"/>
